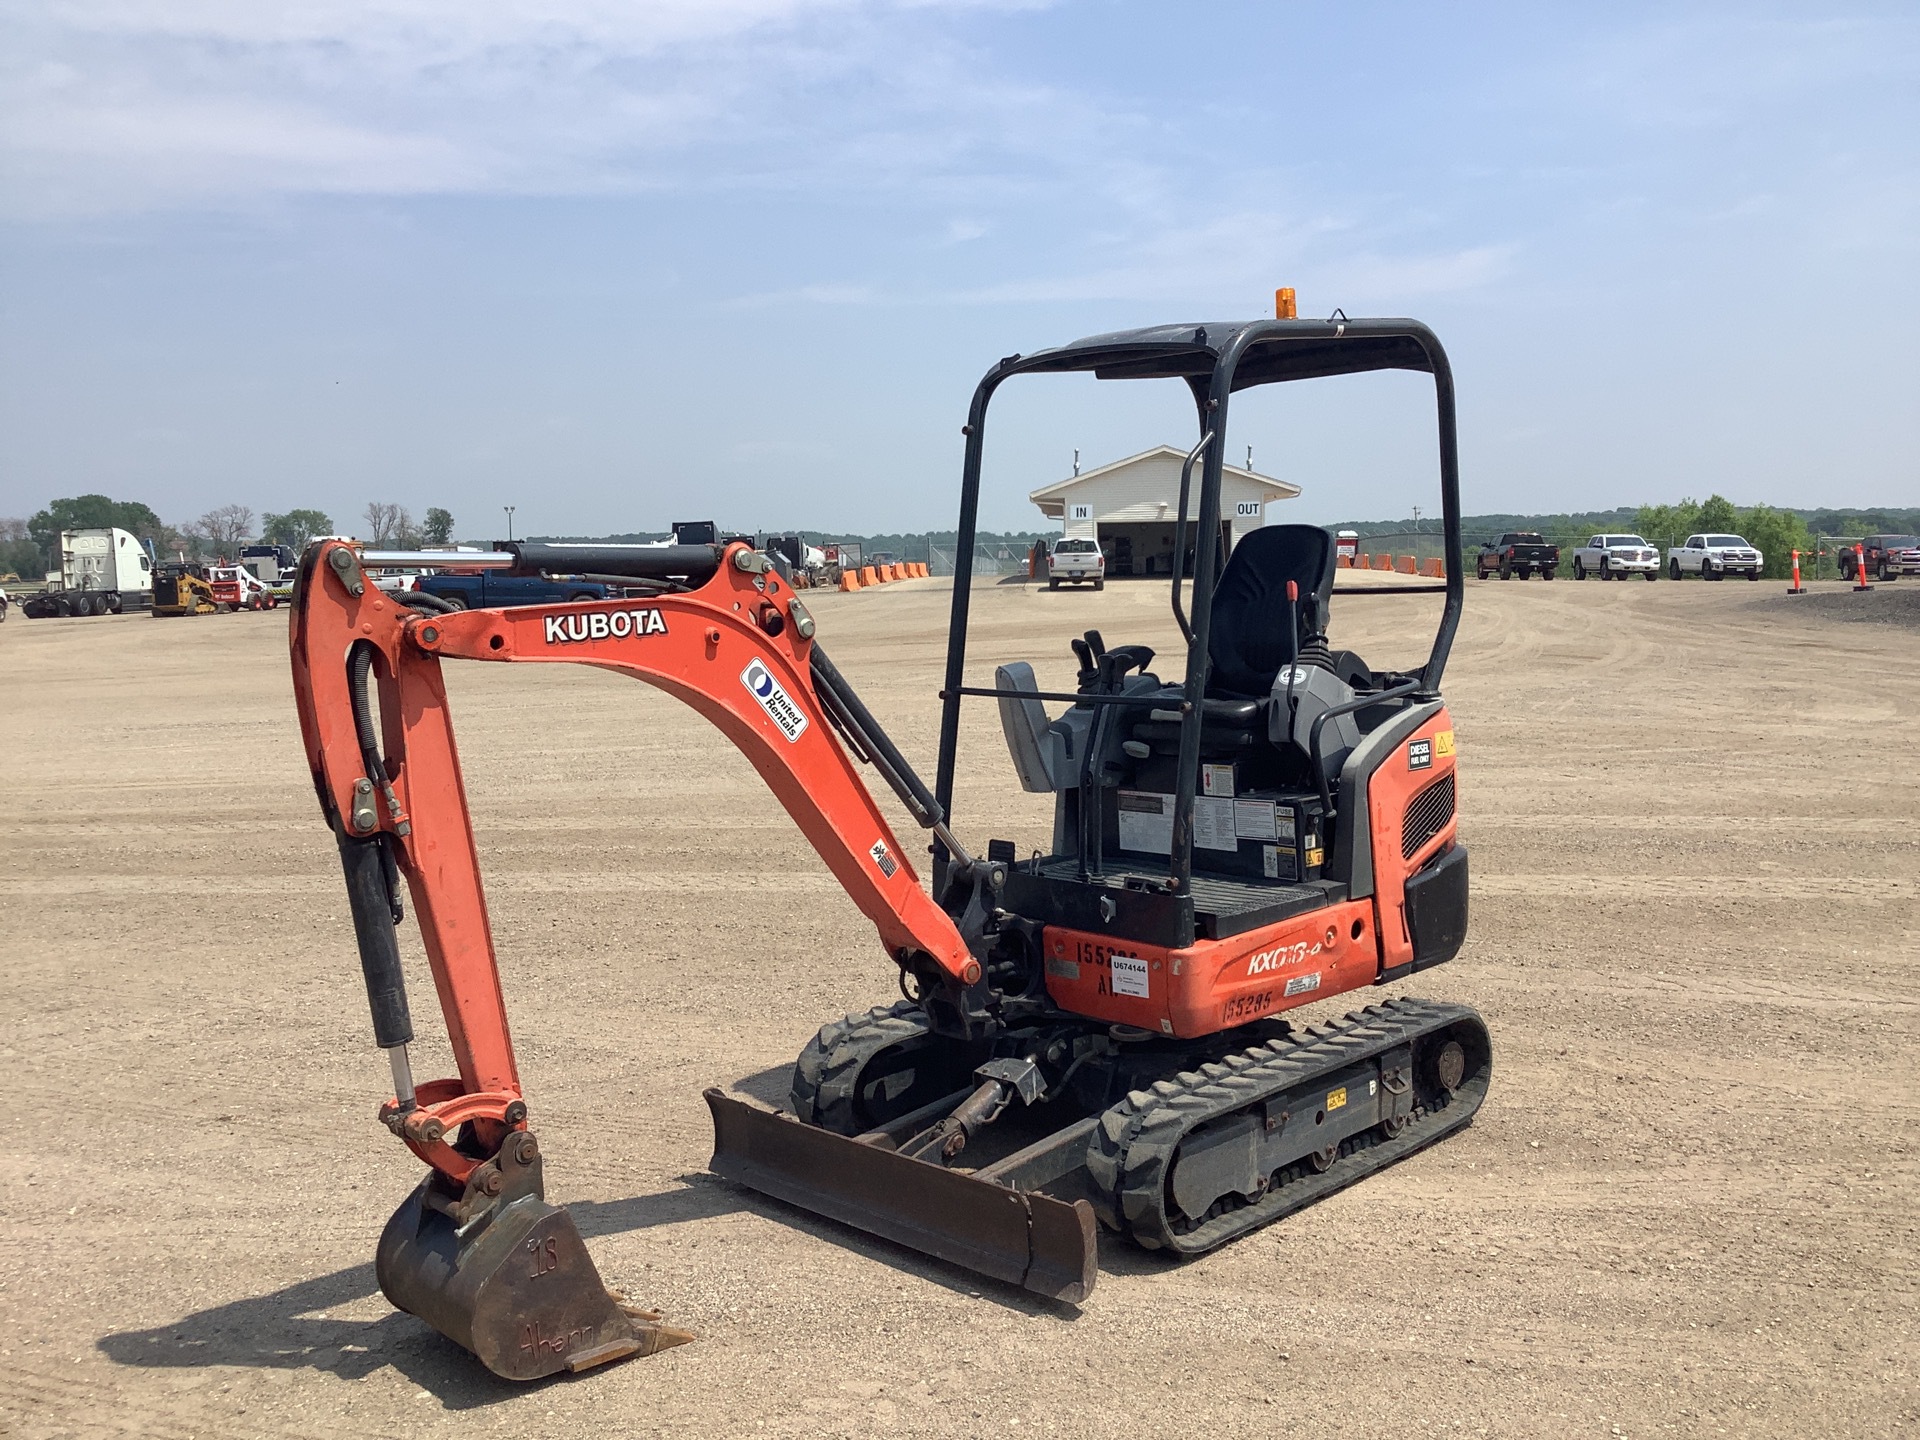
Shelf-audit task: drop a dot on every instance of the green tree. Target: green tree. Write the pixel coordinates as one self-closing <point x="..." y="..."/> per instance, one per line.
<point x="1717" y="514"/>
<point x="18" y="554"/>
<point x="91" y="512"/>
<point x="1776" y="534"/>
<point x="295" y="528"/>
<point x="438" y="531"/>
<point x="1665" y="526"/>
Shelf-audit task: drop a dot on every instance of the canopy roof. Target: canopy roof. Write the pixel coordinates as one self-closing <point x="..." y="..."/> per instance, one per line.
<point x="1276" y="350"/>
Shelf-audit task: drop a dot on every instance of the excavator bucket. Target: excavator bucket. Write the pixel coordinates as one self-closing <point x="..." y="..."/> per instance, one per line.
<point x="1023" y="1237"/>
<point x="518" y="1289"/>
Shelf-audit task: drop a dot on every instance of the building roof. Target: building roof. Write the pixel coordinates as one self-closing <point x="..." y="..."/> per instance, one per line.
<point x="1283" y="490"/>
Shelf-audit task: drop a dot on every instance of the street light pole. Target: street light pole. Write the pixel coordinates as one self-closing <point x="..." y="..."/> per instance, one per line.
<point x="509" y="510"/>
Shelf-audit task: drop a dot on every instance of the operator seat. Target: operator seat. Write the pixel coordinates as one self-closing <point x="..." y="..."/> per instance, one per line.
<point x="1247" y="637"/>
<point x="1246" y="708"/>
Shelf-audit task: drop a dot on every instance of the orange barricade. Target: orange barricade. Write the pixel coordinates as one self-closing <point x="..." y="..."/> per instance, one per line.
<point x="869" y="576"/>
<point x="920" y="569"/>
<point x="1383" y="562"/>
<point x="892" y="572"/>
<point x="1407" y="565"/>
<point x="1433" y="569"/>
<point x="1343" y="562"/>
<point x="849" y="580"/>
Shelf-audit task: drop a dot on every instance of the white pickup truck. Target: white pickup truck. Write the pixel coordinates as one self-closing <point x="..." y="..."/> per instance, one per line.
<point x="1714" y="557"/>
<point x="1073" y="559"/>
<point x="1615" y="557"/>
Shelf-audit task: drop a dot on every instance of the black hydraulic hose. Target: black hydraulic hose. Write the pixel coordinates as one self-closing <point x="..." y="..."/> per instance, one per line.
<point x="426" y="600"/>
<point x="854" y="717"/>
<point x="359" y="669"/>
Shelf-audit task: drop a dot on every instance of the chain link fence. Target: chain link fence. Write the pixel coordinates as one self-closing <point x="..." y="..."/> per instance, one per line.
<point x="988" y="560"/>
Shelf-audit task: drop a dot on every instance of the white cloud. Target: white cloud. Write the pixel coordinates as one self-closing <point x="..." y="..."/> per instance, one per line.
<point x="139" y="103"/>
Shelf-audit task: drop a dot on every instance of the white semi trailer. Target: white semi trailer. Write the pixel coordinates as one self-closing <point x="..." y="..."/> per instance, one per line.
<point x="102" y="572"/>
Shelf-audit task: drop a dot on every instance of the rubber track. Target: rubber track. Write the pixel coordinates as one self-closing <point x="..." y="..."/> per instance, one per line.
<point x="827" y="1074"/>
<point x="1131" y="1153"/>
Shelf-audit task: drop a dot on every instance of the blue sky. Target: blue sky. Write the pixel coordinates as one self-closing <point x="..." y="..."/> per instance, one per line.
<point x="618" y="263"/>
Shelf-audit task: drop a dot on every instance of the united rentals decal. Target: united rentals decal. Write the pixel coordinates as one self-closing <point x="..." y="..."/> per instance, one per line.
<point x="604" y="625"/>
<point x="774" y="700"/>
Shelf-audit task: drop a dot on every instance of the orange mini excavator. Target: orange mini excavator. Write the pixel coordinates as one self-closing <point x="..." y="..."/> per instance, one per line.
<point x="1089" y="1036"/>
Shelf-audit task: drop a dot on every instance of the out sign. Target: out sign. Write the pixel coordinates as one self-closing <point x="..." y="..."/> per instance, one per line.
<point x="1079" y="512"/>
<point x="1247" y="509"/>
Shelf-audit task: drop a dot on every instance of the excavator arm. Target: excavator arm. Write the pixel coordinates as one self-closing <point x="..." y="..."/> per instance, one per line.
<point x="738" y="647"/>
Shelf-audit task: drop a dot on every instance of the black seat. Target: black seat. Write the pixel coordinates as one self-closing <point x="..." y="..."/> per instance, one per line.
<point x="1246" y="639"/>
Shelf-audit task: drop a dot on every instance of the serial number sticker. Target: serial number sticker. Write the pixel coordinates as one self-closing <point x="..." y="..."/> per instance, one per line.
<point x="1336" y="1098"/>
<point x="1443" y="743"/>
<point x="1129" y="976"/>
<point x="1301" y="984"/>
<point x="1063" y="969"/>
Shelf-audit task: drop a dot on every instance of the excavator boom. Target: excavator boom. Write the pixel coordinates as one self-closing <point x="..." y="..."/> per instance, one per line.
<point x="476" y="1251"/>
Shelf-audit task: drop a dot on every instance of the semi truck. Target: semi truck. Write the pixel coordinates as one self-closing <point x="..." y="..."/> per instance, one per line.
<point x="105" y="571"/>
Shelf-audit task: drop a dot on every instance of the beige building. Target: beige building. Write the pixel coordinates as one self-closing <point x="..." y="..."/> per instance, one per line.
<point x="1129" y="507"/>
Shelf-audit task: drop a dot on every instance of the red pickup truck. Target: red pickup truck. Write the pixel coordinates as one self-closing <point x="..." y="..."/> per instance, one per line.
<point x="1885" y="557"/>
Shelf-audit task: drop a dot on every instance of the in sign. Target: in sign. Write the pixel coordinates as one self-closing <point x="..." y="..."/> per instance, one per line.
<point x="1080" y="512"/>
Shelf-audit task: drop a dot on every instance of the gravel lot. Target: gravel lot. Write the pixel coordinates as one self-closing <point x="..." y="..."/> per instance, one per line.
<point x="1688" y="1206"/>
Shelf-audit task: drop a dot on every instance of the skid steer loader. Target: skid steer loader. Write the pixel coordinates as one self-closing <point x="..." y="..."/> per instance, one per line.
<point x="1090" y="1036"/>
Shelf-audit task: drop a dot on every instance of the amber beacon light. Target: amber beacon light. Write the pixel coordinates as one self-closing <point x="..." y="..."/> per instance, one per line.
<point x="1283" y="305"/>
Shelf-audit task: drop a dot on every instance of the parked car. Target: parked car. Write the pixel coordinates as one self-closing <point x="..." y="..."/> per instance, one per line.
<point x="1518" y="552"/>
<point x="1714" y="557"/>
<point x="1074" y="558"/>
<point x="489" y="591"/>
<point x="395" y="582"/>
<point x="1615" y="557"/>
<point x="1886" y="556"/>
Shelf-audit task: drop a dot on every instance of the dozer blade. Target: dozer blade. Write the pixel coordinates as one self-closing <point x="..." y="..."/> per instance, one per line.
<point x="520" y="1292"/>
<point x="1028" y="1239"/>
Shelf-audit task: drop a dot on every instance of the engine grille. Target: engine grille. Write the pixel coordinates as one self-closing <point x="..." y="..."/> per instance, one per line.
<point x="1427" y="816"/>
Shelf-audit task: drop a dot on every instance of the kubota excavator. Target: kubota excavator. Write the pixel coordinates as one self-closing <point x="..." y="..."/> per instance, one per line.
<point x="1090" y="1036"/>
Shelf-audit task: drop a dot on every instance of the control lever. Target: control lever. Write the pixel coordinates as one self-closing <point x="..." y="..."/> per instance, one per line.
<point x="1089" y="670"/>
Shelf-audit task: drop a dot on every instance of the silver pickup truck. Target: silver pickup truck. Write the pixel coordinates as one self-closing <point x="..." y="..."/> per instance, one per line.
<point x="1714" y="557"/>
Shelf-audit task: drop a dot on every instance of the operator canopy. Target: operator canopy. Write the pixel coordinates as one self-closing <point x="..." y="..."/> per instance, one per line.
<point x="1286" y="350"/>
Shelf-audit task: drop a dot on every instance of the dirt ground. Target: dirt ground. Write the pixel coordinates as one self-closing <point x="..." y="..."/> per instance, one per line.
<point x="1688" y="1206"/>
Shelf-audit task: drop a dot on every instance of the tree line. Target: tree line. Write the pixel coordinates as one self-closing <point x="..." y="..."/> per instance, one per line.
<point x="30" y="547"/>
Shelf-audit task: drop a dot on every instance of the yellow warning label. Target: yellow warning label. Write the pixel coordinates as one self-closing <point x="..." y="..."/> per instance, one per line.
<point x="1443" y="743"/>
<point x="1336" y="1098"/>
<point x="1316" y="857"/>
